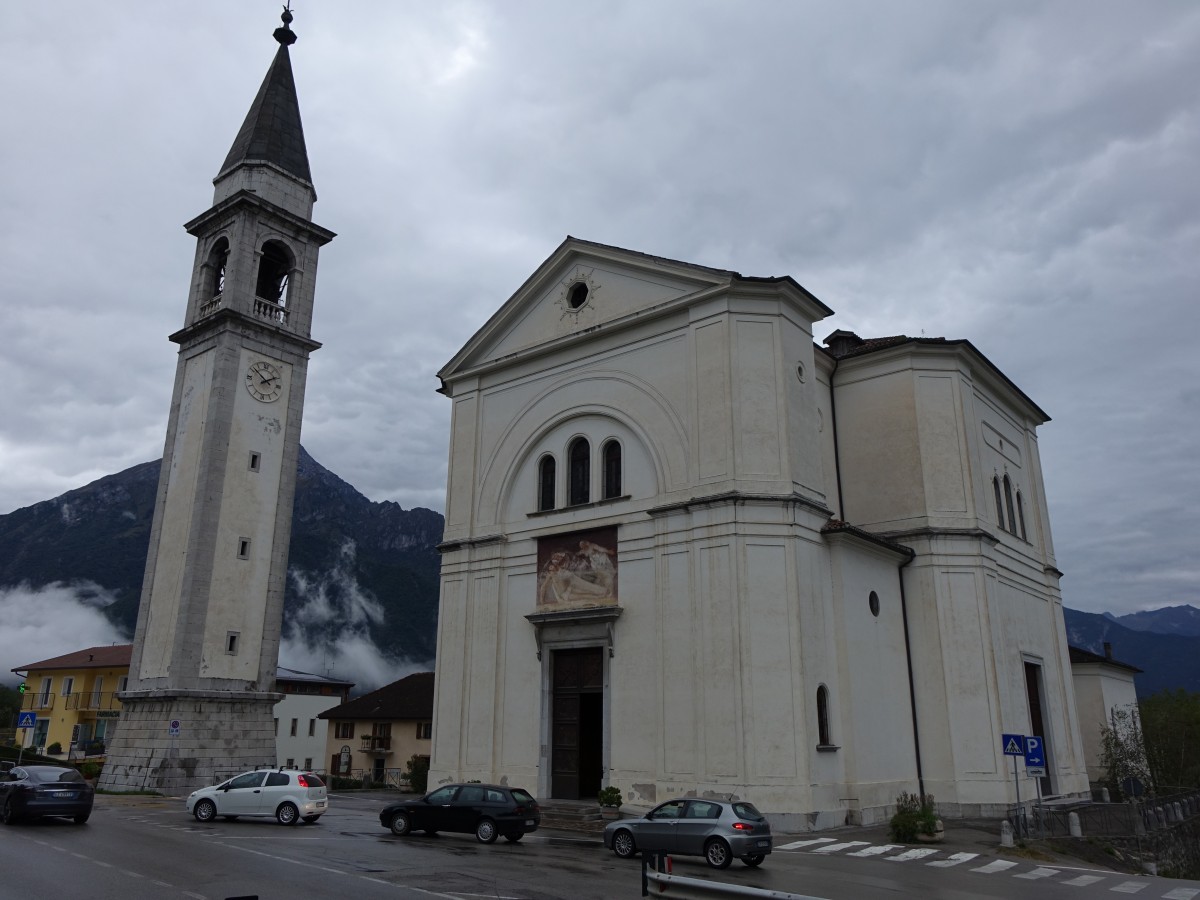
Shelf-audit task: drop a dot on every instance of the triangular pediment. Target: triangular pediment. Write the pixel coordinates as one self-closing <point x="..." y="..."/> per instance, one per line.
<point x="583" y="287"/>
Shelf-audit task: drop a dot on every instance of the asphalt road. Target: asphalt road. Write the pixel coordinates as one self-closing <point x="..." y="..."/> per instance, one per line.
<point x="148" y="847"/>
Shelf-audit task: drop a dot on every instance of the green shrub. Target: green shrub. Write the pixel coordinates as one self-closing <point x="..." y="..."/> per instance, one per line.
<point x="56" y="747"/>
<point x="610" y="796"/>
<point x="90" y="770"/>
<point x="417" y="773"/>
<point x="914" y="815"/>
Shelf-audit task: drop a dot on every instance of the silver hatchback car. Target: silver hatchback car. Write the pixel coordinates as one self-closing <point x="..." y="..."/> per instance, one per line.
<point x="715" y="829"/>
<point x="289" y="795"/>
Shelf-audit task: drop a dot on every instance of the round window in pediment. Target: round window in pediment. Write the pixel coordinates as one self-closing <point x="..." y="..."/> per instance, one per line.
<point x="578" y="295"/>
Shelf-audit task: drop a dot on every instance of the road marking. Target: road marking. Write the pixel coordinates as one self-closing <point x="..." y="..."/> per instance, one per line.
<point x="130" y="873"/>
<point x="876" y="850"/>
<point x="194" y="895"/>
<point x="998" y="865"/>
<point x="101" y="862"/>
<point x="954" y="860"/>
<point x="833" y="848"/>
<point x="1181" y="894"/>
<point x="1039" y="872"/>
<point x="911" y="854"/>
<point x="1083" y="880"/>
<point x="1130" y="887"/>
<point x="796" y="845"/>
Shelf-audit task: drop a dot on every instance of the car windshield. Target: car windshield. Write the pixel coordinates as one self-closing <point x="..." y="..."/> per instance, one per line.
<point x="522" y="796"/>
<point x="747" y="811"/>
<point x="49" y="775"/>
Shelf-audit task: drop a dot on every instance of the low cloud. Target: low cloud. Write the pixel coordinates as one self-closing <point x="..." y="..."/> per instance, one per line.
<point x="330" y="632"/>
<point x="41" y="623"/>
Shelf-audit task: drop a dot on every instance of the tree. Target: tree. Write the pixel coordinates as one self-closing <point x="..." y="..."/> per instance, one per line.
<point x="1170" y="722"/>
<point x="10" y="705"/>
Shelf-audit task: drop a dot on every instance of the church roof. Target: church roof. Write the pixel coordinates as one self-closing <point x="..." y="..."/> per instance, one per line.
<point x="272" y="131"/>
<point x="408" y="698"/>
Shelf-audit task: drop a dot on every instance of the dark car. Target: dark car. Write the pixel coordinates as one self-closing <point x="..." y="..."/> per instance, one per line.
<point x="27" y="792"/>
<point x="715" y="829"/>
<point x="485" y="810"/>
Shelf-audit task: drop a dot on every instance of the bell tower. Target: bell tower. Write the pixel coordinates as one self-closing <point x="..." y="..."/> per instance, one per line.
<point x="201" y="692"/>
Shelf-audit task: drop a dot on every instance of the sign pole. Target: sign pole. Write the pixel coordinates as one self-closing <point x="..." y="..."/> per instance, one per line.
<point x="21" y="749"/>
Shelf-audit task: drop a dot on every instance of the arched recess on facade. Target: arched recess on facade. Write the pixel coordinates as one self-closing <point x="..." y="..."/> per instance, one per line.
<point x="635" y="404"/>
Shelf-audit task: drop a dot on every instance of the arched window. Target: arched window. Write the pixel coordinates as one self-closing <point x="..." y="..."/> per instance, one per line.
<point x="218" y="257"/>
<point x="612" y="469"/>
<point x="1008" y="505"/>
<point x="1021" y="515"/>
<point x="999" y="501"/>
<point x="579" y="460"/>
<point x="274" y="268"/>
<point x="546" y="483"/>
<point x="823" y="738"/>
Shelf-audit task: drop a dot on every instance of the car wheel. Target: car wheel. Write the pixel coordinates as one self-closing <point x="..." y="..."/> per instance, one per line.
<point x="623" y="844"/>
<point x="718" y="854"/>
<point x="400" y="824"/>
<point x="485" y="831"/>
<point x="204" y="811"/>
<point x="79" y="820"/>
<point x="513" y="838"/>
<point x="310" y="820"/>
<point x="287" y="814"/>
<point x="754" y="859"/>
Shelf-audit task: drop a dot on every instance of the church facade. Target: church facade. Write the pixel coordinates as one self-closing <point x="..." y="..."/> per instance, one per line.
<point x="689" y="552"/>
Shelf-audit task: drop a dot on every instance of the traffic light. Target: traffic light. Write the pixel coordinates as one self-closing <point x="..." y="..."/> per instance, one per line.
<point x="22" y="687"/>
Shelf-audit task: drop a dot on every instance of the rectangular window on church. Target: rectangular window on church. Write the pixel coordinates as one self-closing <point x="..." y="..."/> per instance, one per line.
<point x="255" y="461"/>
<point x="243" y="548"/>
<point x="231" y="643"/>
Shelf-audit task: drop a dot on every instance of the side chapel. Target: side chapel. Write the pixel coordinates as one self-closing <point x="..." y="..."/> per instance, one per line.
<point x="689" y="552"/>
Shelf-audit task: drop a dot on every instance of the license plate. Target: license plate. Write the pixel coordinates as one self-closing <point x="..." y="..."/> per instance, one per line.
<point x="63" y="794"/>
<point x="529" y="823"/>
<point x="764" y="843"/>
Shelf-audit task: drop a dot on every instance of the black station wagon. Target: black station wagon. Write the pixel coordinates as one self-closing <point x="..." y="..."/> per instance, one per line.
<point x="485" y="810"/>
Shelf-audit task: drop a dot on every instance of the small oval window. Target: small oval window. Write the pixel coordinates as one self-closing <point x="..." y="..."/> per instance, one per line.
<point x="873" y="601"/>
<point x="578" y="295"/>
<point x="800" y="371"/>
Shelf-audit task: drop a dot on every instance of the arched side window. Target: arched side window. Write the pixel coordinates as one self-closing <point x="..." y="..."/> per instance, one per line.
<point x="1008" y="505"/>
<point x="218" y="258"/>
<point x="579" y="476"/>
<point x="274" y="269"/>
<point x="546" y="475"/>
<point x="999" y="501"/>
<point x="823" y="737"/>
<point x="612" y="469"/>
<point x="1021" y="515"/>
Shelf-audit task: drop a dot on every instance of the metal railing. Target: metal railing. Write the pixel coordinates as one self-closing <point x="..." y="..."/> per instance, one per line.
<point x="38" y="700"/>
<point x="375" y="743"/>
<point x="1136" y="816"/>
<point x="85" y="700"/>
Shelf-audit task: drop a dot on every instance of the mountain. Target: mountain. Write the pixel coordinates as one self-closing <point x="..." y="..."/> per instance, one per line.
<point x="352" y="562"/>
<point x="1167" y="661"/>
<point x="1183" y="620"/>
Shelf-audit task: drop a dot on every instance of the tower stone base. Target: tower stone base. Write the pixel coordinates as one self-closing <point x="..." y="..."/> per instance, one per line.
<point x="176" y="741"/>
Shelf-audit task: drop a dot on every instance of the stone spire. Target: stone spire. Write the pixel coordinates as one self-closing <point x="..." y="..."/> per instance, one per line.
<point x="272" y="132"/>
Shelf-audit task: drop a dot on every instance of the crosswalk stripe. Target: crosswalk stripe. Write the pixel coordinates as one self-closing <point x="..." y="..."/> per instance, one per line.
<point x="1039" y="872"/>
<point x="833" y="848"/>
<point x="954" y="860"/>
<point x="1083" y="880"/>
<point x="876" y="849"/>
<point x="1181" y="894"/>
<point x="911" y="854"/>
<point x="1130" y="887"/>
<point x="796" y="845"/>
<point x="998" y="865"/>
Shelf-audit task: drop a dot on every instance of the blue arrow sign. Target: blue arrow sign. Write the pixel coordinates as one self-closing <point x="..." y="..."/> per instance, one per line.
<point x="27" y="720"/>
<point x="1013" y="744"/>
<point x="1034" y="756"/>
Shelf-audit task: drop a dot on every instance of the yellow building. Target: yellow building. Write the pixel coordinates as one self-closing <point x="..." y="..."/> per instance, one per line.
<point x="74" y="697"/>
<point x="375" y="735"/>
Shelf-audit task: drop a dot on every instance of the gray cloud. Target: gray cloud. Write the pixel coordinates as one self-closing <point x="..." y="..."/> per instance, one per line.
<point x="50" y="621"/>
<point x="1020" y="174"/>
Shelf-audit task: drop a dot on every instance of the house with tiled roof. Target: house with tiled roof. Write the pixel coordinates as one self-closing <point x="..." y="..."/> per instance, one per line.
<point x="378" y="733"/>
<point x="1104" y="691"/>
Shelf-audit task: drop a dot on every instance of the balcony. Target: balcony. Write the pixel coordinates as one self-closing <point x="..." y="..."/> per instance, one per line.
<point x="211" y="306"/>
<point x="373" y="743"/>
<point x="38" y="700"/>
<point x="265" y="309"/>
<point x="94" y="701"/>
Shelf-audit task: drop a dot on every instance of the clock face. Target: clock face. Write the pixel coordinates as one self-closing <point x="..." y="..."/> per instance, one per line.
<point x="264" y="382"/>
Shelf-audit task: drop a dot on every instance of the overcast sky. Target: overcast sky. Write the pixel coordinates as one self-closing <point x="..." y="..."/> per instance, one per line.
<point x="1019" y="174"/>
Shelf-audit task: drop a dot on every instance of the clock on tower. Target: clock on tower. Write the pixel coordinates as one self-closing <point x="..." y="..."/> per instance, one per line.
<point x="202" y="676"/>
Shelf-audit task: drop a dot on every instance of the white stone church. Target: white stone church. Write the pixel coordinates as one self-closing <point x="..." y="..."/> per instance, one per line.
<point x="688" y="552"/>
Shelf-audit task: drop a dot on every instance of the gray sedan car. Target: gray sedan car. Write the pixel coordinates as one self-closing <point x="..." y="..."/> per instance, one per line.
<point x="715" y="829"/>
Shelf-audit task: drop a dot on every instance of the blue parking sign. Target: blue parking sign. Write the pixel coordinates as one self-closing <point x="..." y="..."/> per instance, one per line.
<point x="1035" y="756"/>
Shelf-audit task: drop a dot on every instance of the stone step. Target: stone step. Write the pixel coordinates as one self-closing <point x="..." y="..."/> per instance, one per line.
<point x="570" y="815"/>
